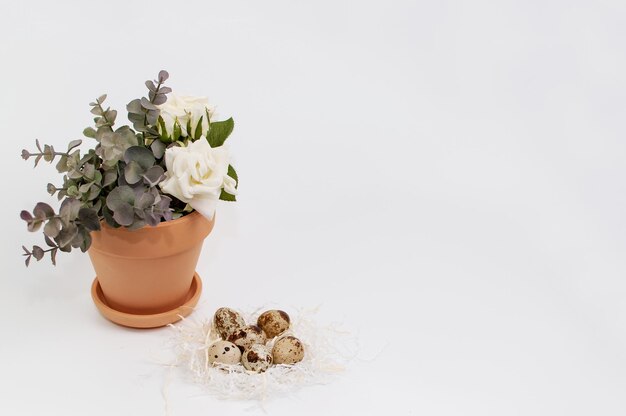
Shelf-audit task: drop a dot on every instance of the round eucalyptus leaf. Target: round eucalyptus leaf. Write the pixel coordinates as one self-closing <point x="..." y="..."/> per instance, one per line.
<point x="142" y="155"/>
<point x="144" y="201"/>
<point x="69" y="209"/>
<point x="51" y="189"/>
<point x="159" y="99"/>
<point x="134" y="107"/>
<point x="145" y="103"/>
<point x="84" y="188"/>
<point x="133" y="172"/>
<point x="124" y="214"/>
<point x="66" y="235"/>
<point x="153" y="175"/>
<point x="120" y="196"/>
<point x="158" y="149"/>
<point x="38" y="252"/>
<point x="43" y="210"/>
<point x="89" y="219"/>
<point x="53" y="227"/>
<point x="26" y="216"/>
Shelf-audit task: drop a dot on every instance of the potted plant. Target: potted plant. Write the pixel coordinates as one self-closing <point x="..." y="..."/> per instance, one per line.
<point x="140" y="201"/>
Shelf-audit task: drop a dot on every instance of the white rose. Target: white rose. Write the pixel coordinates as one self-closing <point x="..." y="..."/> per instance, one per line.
<point x="185" y="111"/>
<point x="196" y="175"/>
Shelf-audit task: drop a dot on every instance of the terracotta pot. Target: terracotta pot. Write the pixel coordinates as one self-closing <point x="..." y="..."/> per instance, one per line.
<point x="150" y="270"/>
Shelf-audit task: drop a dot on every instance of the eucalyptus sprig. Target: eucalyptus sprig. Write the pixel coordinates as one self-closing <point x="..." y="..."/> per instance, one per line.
<point x="119" y="180"/>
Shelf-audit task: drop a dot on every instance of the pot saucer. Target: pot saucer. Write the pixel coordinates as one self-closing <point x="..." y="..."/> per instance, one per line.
<point x="151" y="320"/>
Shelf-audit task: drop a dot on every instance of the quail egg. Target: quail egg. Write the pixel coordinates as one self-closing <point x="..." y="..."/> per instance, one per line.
<point x="273" y="322"/>
<point x="224" y="352"/>
<point x="247" y="336"/>
<point x="257" y="358"/>
<point x="227" y="321"/>
<point x="288" y="350"/>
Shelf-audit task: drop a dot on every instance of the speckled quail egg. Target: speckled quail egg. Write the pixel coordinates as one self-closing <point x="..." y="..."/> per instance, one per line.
<point x="227" y="321"/>
<point x="224" y="352"/>
<point x="247" y="336"/>
<point x="257" y="358"/>
<point x="273" y="322"/>
<point x="288" y="350"/>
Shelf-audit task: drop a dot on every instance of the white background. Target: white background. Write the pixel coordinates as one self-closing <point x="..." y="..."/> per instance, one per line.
<point x="446" y="179"/>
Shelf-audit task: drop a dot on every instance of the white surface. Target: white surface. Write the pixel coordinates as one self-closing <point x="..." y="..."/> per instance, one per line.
<point x="446" y="179"/>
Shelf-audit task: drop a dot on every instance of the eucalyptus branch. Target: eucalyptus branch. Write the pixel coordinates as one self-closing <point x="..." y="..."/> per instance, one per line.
<point x="152" y="97"/>
<point x="38" y="253"/>
<point x="104" y="115"/>
<point x="144" y="112"/>
<point x="47" y="153"/>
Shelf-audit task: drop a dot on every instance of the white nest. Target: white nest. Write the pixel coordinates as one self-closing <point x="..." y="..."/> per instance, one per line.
<point x="327" y="351"/>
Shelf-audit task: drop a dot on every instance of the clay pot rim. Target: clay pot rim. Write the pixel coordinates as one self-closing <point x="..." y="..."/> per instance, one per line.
<point x="162" y="224"/>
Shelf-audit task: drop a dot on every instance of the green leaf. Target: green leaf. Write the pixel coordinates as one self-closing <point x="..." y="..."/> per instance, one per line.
<point x="158" y="149"/>
<point x="145" y="103"/>
<point x="74" y="174"/>
<point x="73" y="144"/>
<point x="151" y="118"/>
<point x="66" y="235"/>
<point x="66" y="248"/>
<point x="26" y="216"/>
<point x="72" y="190"/>
<point x="97" y="178"/>
<point x="153" y="175"/>
<point x="94" y="192"/>
<point x="122" y="195"/>
<point x="89" y="219"/>
<point x="49" y="241"/>
<point x="219" y="132"/>
<point x="86" y="243"/>
<point x="84" y="188"/>
<point x="111" y="116"/>
<point x="163" y="133"/>
<point x="48" y="153"/>
<point x="89" y="171"/>
<point x="62" y="164"/>
<point x="231" y="172"/>
<point x="69" y="209"/>
<point x="146" y="200"/>
<point x="137" y="224"/>
<point x="133" y="172"/>
<point x="124" y="214"/>
<point x="110" y="176"/>
<point x="198" y="131"/>
<point x="142" y="155"/>
<point x="225" y="196"/>
<point x="108" y="217"/>
<point x="177" y="131"/>
<point x="38" y="252"/>
<point x="89" y="132"/>
<point x="43" y="210"/>
<point x="52" y="228"/>
<point x="134" y="107"/>
<point x="158" y="99"/>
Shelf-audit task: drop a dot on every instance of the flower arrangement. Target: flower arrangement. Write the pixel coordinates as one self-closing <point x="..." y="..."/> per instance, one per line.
<point x="171" y="162"/>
